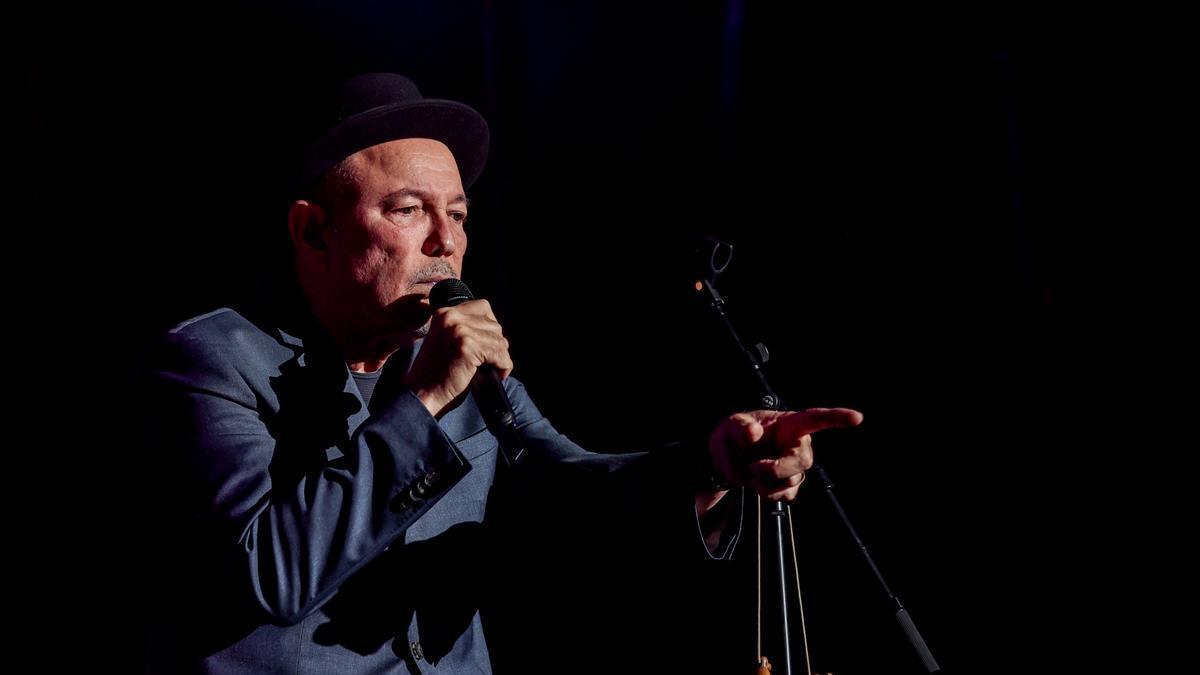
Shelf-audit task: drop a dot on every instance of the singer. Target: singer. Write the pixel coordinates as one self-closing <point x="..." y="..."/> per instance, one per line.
<point x="327" y="476"/>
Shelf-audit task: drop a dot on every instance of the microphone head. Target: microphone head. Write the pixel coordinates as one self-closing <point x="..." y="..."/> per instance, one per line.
<point x="448" y="293"/>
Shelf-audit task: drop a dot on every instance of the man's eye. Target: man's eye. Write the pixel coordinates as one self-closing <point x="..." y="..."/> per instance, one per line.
<point x="458" y="216"/>
<point x="406" y="210"/>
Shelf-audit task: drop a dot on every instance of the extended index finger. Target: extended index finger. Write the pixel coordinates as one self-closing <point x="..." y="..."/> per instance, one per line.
<point x="801" y="423"/>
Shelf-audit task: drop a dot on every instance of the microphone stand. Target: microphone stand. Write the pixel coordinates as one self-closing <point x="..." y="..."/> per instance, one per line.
<point x="754" y="359"/>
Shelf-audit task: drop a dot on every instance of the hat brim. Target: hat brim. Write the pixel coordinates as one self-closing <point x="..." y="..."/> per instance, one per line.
<point x="459" y="126"/>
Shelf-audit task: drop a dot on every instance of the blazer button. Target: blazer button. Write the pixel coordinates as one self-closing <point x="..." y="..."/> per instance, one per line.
<point x="402" y="502"/>
<point x="417" y="652"/>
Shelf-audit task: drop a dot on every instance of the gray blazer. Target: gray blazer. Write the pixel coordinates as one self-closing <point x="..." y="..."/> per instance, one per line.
<point x="303" y="532"/>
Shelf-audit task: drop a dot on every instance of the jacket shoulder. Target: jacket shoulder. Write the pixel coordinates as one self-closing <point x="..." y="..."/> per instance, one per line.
<point x="220" y="326"/>
<point x="222" y="341"/>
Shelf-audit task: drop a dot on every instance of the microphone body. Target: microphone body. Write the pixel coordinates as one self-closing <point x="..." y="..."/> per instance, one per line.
<point x="486" y="387"/>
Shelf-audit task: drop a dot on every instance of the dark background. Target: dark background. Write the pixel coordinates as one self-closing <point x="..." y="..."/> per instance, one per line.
<point x="925" y="224"/>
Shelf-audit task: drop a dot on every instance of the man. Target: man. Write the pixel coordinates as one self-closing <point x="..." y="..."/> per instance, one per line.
<point x="333" y="475"/>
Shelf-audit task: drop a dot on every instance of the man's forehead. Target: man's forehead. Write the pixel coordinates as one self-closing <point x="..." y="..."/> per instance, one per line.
<point x="425" y="195"/>
<point x="417" y="164"/>
<point x="406" y="152"/>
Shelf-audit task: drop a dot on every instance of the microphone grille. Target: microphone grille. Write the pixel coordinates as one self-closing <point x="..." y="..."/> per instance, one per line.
<point x="448" y="293"/>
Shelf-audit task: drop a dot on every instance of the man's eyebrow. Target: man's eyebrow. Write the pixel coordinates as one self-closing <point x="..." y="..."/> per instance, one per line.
<point x="422" y="195"/>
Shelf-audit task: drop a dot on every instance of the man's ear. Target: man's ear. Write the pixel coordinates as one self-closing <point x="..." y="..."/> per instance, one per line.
<point x="307" y="224"/>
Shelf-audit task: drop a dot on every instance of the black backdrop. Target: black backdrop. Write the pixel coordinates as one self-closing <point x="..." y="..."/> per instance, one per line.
<point x="903" y="192"/>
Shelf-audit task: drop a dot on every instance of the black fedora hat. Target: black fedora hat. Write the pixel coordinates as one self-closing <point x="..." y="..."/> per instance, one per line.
<point x="379" y="107"/>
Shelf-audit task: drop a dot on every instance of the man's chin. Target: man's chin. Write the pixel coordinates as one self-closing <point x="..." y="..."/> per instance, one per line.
<point x="413" y="312"/>
<point x="410" y="332"/>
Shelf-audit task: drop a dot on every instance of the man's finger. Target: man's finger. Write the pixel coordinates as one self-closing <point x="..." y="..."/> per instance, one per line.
<point x="741" y="430"/>
<point x="767" y="481"/>
<point x="792" y="428"/>
<point x="780" y="468"/>
<point x="788" y="495"/>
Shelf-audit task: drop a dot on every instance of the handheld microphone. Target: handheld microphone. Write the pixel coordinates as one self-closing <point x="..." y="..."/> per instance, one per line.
<point x="486" y="387"/>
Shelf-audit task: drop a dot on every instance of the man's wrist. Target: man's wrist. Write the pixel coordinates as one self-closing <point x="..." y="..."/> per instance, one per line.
<point x="431" y="402"/>
<point x="715" y="482"/>
<point x="705" y="476"/>
<point x="706" y="500"/>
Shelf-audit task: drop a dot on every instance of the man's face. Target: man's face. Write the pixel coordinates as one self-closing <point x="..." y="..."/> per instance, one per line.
<point x="397" y="231"/>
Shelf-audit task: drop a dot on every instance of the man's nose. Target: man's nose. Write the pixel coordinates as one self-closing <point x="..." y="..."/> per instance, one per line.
<point x="440" y="241"/>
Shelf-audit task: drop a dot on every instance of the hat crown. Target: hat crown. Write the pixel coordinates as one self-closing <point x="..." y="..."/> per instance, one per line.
<point x="375" y="108"/>
<point x="364" y="92"/>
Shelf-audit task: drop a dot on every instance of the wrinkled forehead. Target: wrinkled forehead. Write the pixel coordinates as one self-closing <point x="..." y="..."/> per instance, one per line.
<point x="420" y="163"/>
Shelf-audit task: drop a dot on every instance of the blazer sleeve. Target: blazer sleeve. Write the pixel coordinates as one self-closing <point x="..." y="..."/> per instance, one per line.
<point x="293" y="542"/>
<point x="651" y="490"/>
